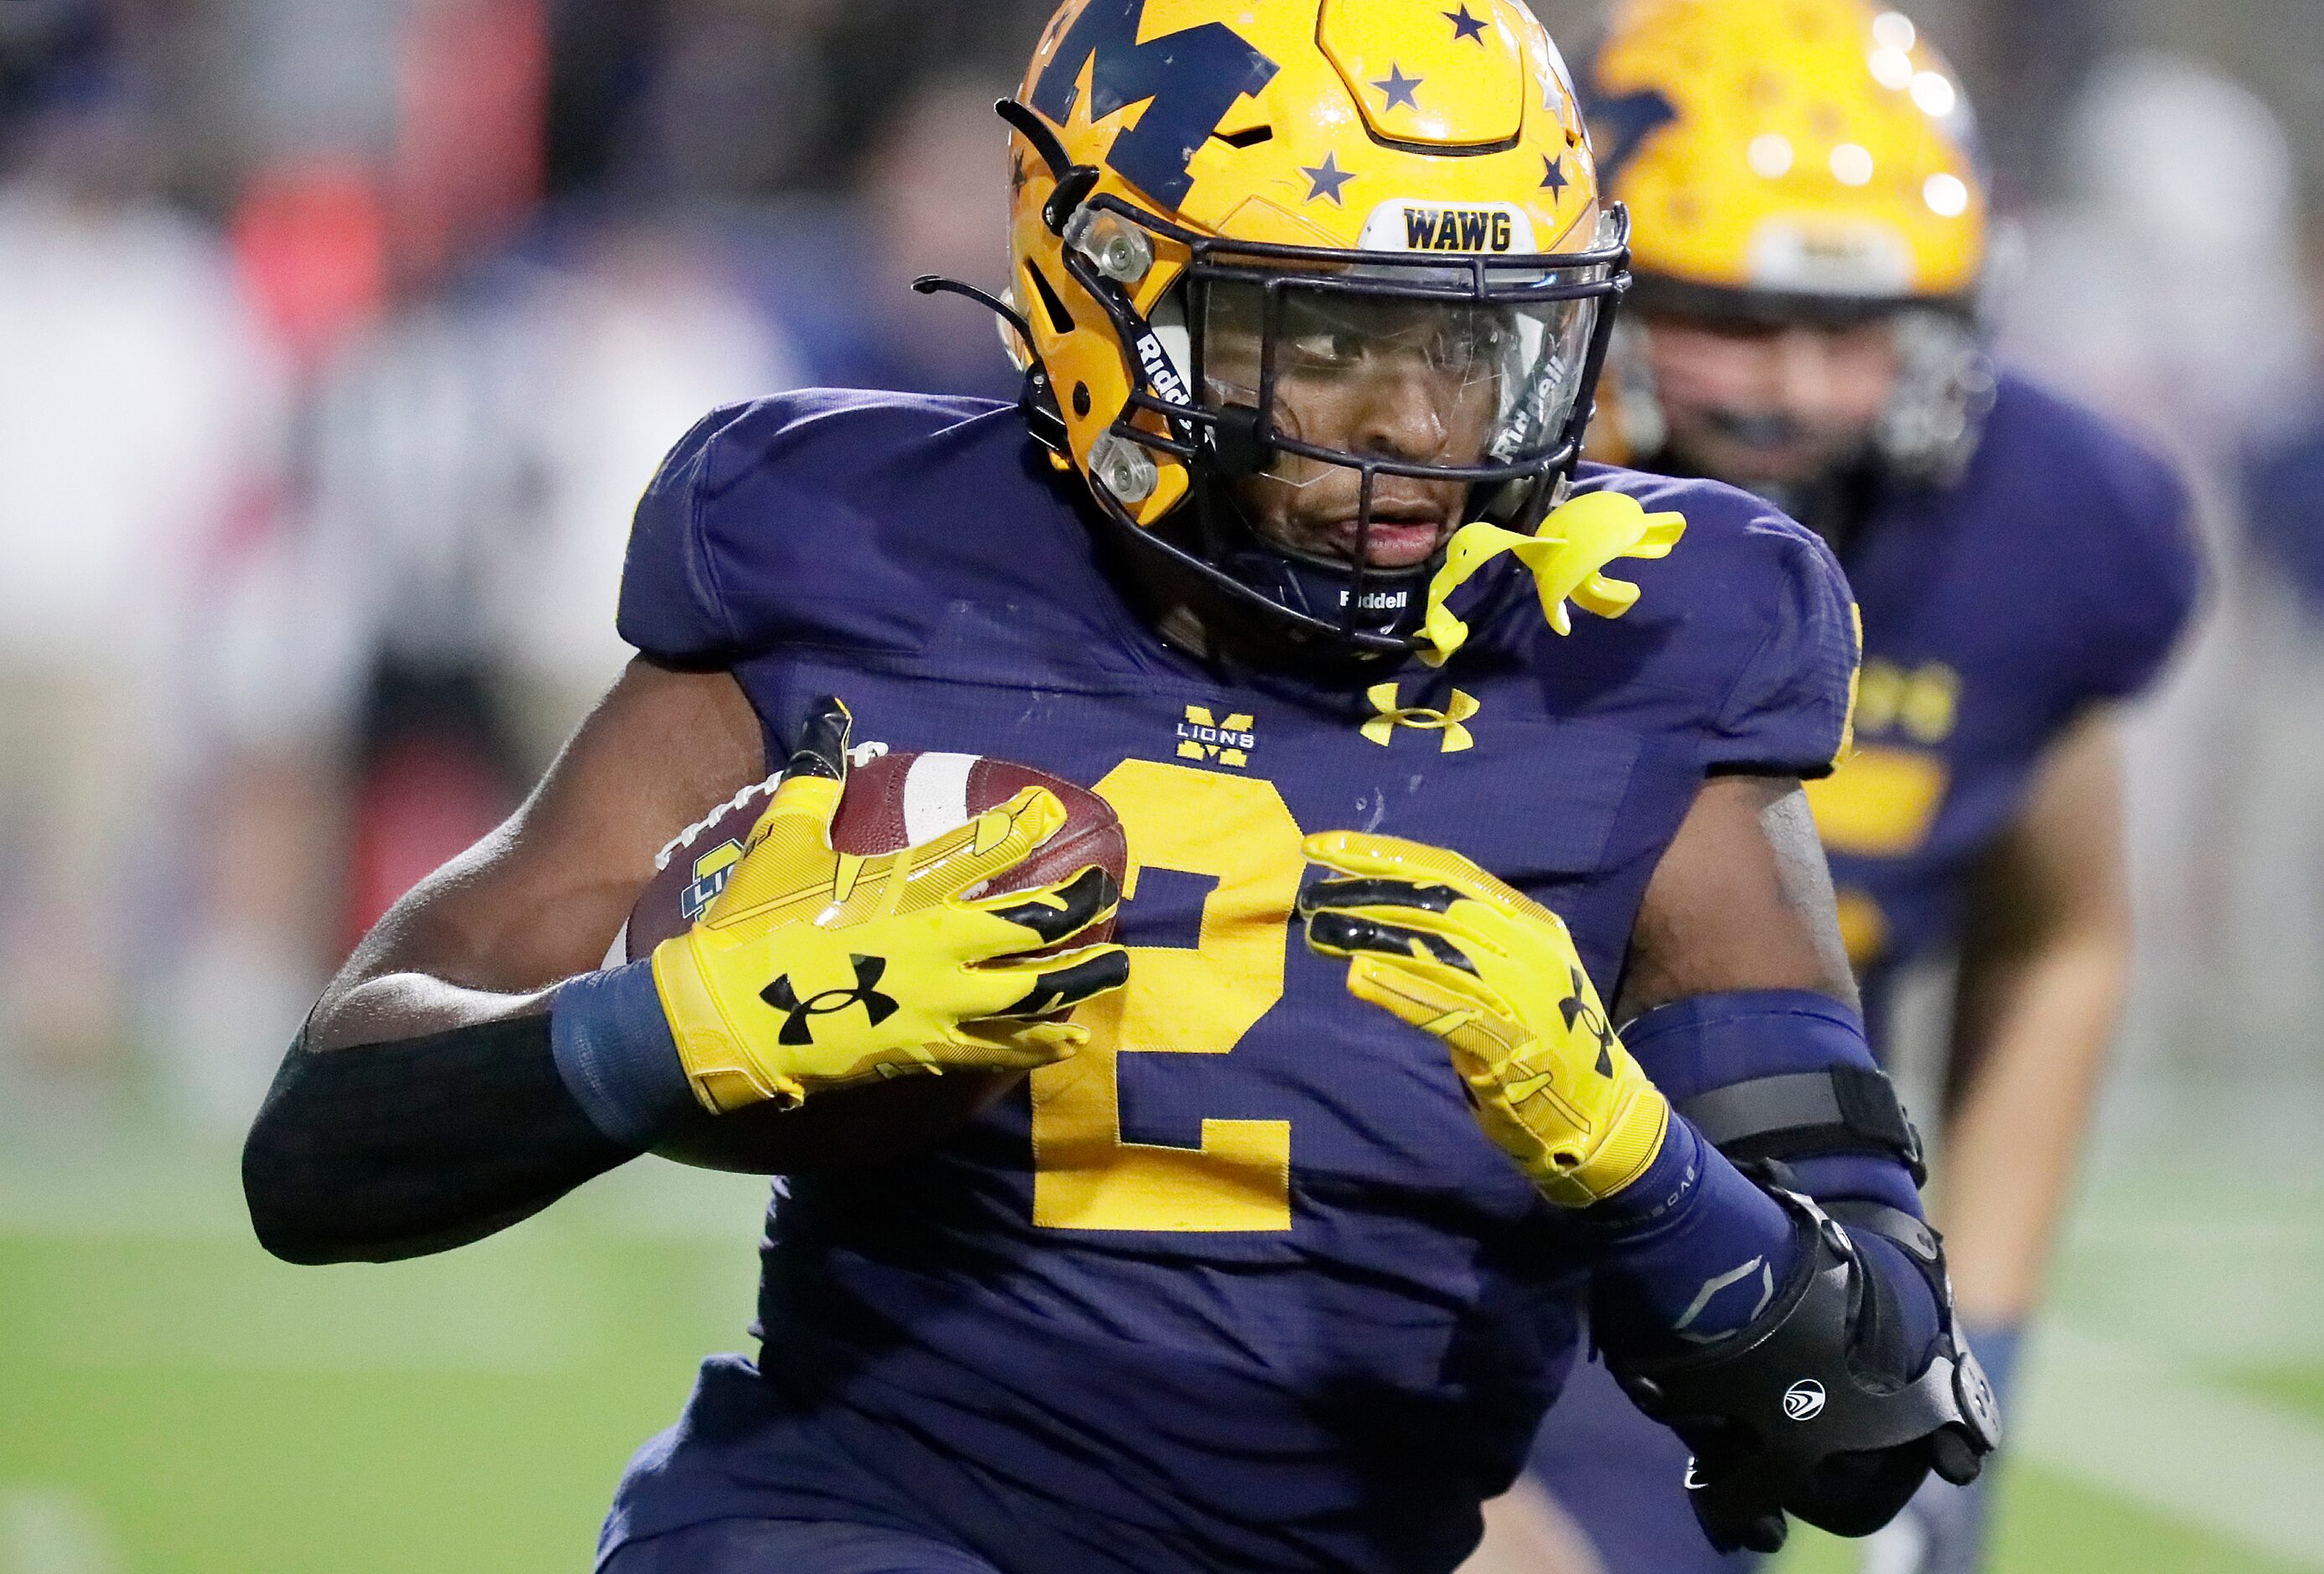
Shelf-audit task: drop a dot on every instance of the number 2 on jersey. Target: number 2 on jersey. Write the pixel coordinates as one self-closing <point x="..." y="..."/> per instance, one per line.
<point x="1178" y="1001"/>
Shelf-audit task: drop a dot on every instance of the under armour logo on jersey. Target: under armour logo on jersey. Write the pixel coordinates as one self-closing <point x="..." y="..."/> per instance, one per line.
<point x="1227" y="741"/>
<point x="798" y="1014"/>
<point x="1448" y="721"/>
<point x="1186" y="80"/>
<point x="1576" y="1008"/>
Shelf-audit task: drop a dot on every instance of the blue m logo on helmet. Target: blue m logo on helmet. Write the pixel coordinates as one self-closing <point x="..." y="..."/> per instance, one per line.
<point x="1193" y="78"/>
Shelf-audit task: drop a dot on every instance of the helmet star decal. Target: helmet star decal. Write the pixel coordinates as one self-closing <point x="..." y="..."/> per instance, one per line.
<point x="1400" y="87"/>
<point x="1326" y="179"/>
<point x="1466" y="26"/>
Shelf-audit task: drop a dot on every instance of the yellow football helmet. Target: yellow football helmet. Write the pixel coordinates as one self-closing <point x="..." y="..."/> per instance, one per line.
<point x="1814" y="148"/>
<point x="1797" y="161"/>
<point x="1299" y="177"/>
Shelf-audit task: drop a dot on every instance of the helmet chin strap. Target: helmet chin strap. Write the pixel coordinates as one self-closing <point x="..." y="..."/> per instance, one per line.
<point x="1389" y="605"/>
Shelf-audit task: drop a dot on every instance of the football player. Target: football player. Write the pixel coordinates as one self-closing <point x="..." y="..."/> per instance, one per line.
<point x="1277" y="1259"/>
<point x="1810" y="237"/>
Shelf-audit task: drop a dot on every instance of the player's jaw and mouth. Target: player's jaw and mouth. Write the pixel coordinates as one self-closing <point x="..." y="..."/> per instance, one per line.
<point x="1771" y="406"/>
<point x="1318" y="509"/>
<point x="1400" y="533"/>
<point x="1408" y="522"/>
<point x="1750" y="450"/>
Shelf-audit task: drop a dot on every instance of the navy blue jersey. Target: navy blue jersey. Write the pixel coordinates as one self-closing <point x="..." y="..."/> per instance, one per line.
<point x="1241" y="1284"/>
<point x="2056" y="575"/>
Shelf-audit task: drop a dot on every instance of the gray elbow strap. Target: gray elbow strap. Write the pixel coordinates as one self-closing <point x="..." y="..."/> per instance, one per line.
<point x="1839" y="1107"/>
<point x="1799" y="1413"/>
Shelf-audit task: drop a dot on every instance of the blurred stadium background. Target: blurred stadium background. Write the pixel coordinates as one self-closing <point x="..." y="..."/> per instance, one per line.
<point x="335" y="339"/>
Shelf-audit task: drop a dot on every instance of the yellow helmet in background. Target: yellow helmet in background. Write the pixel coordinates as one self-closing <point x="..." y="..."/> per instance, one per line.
<point x="1794" y="161"/>
<point x="1803" y="149"/>
<point x="1299" y="158"/>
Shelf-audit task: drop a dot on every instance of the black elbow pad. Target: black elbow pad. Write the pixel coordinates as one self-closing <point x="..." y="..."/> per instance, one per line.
<point x="1809" y="1410"/>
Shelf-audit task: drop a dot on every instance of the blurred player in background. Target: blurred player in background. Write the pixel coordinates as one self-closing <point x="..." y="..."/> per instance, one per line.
<point x="1278" y="1260"/>
<point x="1809" y="238"/>
<point x="122" y="332"/>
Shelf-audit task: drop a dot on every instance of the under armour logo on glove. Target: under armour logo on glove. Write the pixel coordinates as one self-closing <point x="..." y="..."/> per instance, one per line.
<point x="798" y="1014"/>
<point x="1439" y="943"/>
<point x="1576" y="1008"/>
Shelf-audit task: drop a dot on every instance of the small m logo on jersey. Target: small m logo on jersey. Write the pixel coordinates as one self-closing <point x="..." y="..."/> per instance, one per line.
<point x="1449" y="721"/>
<point x="1228" y="742"/>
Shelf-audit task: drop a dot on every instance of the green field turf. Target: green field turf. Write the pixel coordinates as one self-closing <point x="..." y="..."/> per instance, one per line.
<point x="2295" y="1387"/>
<point x="176" y="1400"/>
<point x="2049" y="1525"/>
<point x="170" y="1399"/>
<point x="471" y="1418"/>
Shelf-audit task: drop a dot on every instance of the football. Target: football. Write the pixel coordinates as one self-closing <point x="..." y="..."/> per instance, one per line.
<point x="892" y="801"/>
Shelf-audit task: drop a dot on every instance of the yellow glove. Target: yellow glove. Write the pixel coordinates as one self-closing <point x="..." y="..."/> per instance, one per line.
<point x="814" y="969"/>
<point x="1437" y="941"/>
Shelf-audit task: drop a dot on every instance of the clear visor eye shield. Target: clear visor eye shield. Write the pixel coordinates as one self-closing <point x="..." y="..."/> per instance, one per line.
<point x="1374" y="382"/>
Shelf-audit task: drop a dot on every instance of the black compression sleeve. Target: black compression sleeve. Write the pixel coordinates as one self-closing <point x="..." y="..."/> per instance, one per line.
<point x="384" y="1151"/>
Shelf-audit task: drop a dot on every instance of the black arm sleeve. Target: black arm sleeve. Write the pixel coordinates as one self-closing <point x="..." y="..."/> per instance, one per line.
<point x="379" y="1151"/>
